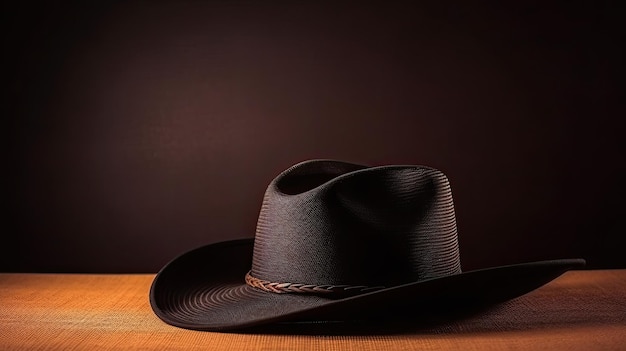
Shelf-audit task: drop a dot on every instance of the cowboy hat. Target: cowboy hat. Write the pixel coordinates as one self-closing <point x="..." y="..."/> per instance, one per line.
<point x="339" y="241"/>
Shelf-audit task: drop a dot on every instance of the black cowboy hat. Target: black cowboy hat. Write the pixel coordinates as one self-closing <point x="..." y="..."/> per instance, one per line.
<point x="339" y="241"/>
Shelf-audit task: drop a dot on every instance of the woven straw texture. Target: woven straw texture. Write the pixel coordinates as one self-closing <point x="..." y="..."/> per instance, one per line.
<point x="581" y="310"/>
<point x="377" y="241"/>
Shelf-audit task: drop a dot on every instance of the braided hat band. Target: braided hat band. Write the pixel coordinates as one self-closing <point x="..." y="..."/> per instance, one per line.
<point x="298" y="288"/>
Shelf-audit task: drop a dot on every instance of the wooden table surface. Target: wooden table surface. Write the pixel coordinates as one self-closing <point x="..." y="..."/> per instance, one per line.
<point x="581" y="310"/>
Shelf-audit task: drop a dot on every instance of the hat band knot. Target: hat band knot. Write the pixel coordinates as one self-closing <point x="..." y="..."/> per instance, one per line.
<point x="298" y="288"/>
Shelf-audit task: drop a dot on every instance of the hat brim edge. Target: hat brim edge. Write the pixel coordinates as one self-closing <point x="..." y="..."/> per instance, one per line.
<point x="487" y="286"/>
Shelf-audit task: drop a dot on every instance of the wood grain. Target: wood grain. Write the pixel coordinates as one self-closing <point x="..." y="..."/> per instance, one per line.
<point x="582" y="310"/>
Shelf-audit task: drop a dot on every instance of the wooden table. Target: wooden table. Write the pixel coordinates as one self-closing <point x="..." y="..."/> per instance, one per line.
<point x="581" y="310"/>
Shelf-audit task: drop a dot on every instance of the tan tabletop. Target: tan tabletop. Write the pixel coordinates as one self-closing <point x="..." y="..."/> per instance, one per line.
<point x="581" y="310"/>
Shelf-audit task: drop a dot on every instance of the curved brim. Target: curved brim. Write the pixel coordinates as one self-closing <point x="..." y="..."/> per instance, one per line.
<point x="204" y="289"/>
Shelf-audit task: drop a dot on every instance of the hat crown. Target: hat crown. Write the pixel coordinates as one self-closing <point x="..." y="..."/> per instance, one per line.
<point x="327" y="222"/>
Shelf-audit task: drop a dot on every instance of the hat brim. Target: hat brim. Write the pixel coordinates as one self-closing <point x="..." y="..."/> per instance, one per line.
<point x="204" y="289"/>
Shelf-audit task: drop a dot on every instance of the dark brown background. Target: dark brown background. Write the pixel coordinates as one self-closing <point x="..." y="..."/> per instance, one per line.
<point x="137" y="130"/>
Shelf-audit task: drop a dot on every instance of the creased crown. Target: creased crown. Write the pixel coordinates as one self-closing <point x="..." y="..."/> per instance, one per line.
<point x="336" y="223"/>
